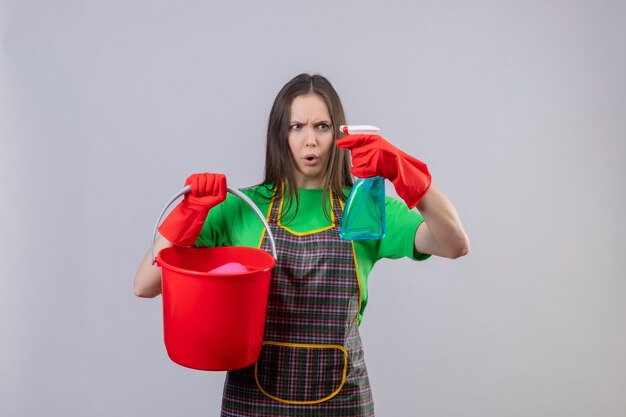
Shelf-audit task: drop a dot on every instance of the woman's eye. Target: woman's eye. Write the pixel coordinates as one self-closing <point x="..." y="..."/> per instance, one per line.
<point x="323" y="126"/>
<point x="295" y="126"/>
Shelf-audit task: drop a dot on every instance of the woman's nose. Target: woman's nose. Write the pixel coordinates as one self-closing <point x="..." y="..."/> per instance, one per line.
<point x="310" y="138"/>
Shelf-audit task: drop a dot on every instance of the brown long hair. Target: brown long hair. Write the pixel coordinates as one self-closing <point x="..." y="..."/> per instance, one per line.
<point x="278" y="165"/>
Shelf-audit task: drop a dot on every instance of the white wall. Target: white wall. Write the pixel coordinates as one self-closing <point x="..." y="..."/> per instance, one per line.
<point x="517" y="106"/>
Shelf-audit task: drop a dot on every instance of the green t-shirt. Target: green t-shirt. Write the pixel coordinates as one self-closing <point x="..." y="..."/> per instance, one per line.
<point x="234" y="223"/>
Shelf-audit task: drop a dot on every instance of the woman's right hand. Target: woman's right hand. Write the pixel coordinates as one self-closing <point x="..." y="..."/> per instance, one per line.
<point x="206" y="189"/>
<point x="183" y="225"/>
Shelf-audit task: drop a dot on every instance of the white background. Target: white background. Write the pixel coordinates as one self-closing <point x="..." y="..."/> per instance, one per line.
<point x="518" y="107"/>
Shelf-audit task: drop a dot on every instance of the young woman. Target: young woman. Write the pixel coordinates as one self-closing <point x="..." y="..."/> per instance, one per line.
<point x="312" y="360"/>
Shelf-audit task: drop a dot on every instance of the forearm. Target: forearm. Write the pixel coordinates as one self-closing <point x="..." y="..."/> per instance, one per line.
<point x="444" y="234"/>
<point x="148" y="276"/>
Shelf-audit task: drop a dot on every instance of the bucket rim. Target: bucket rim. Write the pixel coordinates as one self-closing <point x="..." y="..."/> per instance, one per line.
<point x="160" y="262"/>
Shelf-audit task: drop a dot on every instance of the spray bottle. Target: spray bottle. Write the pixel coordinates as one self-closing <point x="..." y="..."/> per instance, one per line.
<point x="364" y="211"/>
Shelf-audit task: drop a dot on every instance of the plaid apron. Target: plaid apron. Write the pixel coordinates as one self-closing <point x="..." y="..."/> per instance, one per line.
<point x="312" y="360"/>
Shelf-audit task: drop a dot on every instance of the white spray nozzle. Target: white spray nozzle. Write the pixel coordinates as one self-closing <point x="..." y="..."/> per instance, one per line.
<point x="359" y="129"/>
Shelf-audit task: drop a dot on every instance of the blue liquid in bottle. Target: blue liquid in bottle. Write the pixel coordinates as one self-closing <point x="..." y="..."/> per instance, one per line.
<point x="364" y="211"/>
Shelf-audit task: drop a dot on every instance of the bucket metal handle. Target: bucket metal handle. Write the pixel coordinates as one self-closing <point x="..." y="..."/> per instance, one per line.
<point x="231" y="190"/>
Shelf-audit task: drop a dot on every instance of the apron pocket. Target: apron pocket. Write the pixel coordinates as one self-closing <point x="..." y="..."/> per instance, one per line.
<point x="295" y="373"/>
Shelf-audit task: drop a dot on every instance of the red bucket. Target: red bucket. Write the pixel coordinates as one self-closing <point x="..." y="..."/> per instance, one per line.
<point x="215" y="321"/>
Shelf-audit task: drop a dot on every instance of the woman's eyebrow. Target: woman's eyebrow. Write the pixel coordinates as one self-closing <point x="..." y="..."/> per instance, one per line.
<point x="296" y="121"/>
<point x="320" y="122"/>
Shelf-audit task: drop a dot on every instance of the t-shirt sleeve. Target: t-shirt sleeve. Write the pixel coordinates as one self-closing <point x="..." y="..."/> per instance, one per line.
<point x="401" y="225"/>
<point x="233" y="222"/>
<point x="215" y="231"/>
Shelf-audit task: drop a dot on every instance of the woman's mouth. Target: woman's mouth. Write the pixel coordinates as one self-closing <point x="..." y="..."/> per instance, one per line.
<point x="311" y="159"/>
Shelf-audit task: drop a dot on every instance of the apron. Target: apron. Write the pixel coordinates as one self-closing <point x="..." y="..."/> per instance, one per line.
<point x="312" y="360"/>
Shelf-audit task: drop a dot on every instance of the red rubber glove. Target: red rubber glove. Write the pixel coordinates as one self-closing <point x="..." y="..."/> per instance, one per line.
<point x="182" y="226"/>
<point x="373" y="156"/>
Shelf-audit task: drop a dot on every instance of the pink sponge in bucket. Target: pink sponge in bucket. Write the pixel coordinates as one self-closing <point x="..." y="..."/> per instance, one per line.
<point x="229" y="268"/>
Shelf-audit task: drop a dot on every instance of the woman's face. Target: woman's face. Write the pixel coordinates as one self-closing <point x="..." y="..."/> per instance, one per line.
<point x="310" y="139"/>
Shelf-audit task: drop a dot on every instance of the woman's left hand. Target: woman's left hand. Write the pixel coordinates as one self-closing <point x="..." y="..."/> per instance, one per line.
<point x="373" y="156"/>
